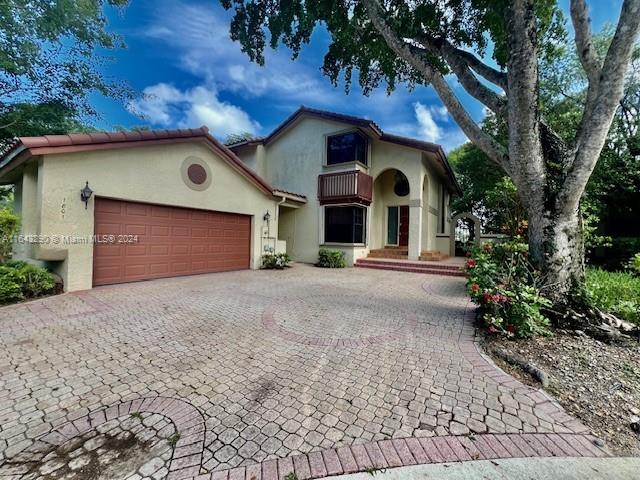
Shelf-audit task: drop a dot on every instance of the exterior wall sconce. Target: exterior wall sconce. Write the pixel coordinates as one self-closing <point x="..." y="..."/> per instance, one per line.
<point x="85" y="194"/>
<point x="267" y="217"/>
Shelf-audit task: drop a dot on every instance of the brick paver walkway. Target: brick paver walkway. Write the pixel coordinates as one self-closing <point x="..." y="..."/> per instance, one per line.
<point x="317" y="368"/>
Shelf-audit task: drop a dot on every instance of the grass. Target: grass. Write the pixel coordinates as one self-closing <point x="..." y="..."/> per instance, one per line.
<point x="615" y="292"/>
<point x="374" y="470"/>
<point x="173" y="439"/>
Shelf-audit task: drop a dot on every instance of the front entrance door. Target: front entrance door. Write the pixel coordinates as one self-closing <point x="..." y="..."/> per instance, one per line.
<point x="403" y="237"/>
<point x="398" y="226"/>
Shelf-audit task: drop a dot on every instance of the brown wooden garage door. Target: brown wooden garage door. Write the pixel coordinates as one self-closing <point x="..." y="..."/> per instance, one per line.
<point x="171" y="241"/>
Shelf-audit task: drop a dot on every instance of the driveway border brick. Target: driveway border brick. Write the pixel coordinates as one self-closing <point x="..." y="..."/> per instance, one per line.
<point x="187" y="419"/>
<point x="405" y="452"/>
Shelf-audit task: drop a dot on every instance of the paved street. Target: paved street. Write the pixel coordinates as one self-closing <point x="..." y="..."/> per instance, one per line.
<point x="240" y="368"/>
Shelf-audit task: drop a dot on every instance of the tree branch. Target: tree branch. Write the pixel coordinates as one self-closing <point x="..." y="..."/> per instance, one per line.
<point x="586" y="52"/>
<point x="465" y="76"/>
<point x="494" y="76"/>
<point x="483" y="140"/>
<point x="603" y="99"/>
<point x="469" y="81"/>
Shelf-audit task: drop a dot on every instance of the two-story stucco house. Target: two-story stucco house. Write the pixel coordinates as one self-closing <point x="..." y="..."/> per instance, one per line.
<point x="104" y="208"/>
<point x="365" y="189"/>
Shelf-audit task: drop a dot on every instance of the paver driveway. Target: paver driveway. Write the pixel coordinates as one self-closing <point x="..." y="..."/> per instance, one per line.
<point x="270" y="363"/>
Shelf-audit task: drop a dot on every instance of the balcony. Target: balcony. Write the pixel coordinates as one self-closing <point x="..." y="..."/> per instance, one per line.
<point x="345" y="187"/>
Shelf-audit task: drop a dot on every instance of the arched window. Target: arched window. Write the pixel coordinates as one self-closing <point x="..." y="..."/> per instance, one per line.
<point x="401" y="184"/>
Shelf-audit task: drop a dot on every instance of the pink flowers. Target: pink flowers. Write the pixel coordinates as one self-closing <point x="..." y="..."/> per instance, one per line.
<point x="492" y="329"/>
<point x="494" y="298"/>
<point x="475" y="288"/>
<point x="471" y="263"/>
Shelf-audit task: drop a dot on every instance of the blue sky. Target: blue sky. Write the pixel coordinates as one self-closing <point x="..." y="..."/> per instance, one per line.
<point x="180" y="57"/>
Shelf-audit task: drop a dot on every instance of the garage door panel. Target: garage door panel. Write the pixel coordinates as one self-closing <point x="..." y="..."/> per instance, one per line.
<point x="135" y="229"/>
<point x="160" y="230"/>
<point x="109" y="228"/>
<point x="106" y="250"/>
<point x="159" y="268"/>
<point x="135" y="250"/>
<point x="171" y="241"/>
<point x="135" y="269"/>
<point x="137" y="209"/>
<point x="161" y="250"/>
<point x="180" y="249"/>
<point x="160" y="212"/>
<point x="112" y="272"/>
<point x="180" y="231"/>
<point x="198" y="249"/>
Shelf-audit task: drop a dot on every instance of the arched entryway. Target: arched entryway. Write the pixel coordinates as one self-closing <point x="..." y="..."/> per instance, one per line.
<point x="390" y="210"/>
<point x="465" y="232"/>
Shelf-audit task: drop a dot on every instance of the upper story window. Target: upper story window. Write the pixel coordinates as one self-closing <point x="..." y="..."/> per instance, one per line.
<point x="347" y="148"/>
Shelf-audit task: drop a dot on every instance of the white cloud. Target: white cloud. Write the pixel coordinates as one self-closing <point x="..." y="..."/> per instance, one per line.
<point x="440" y="113"/>
<point x="428" y="128"/>
<point x="204" y="49"/>
<point x="165" y="105"/>
<point x="432" y="124"/>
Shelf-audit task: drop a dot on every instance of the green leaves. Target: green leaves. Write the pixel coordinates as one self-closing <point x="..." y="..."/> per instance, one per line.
<point x="49" y="54"/>
<point x="614" y="292"/>
<point x="504" y="284"/>
<point x="331" y="258"/>
<point x="356" y="47"/>
<point x="9" y="224"/>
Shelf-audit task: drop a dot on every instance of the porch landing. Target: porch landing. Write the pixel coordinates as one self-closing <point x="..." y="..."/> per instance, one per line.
<point x="450" y="266"/>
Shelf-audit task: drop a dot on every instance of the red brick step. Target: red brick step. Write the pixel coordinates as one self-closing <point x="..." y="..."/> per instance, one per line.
<point x="413" y="267"/>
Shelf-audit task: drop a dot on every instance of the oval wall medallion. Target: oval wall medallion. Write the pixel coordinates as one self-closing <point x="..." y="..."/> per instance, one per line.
<point x="196" y="174"/>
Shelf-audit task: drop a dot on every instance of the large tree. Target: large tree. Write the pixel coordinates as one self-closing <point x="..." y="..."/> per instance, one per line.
<point x="51" y="62"/>
<point x="420" y="42"/>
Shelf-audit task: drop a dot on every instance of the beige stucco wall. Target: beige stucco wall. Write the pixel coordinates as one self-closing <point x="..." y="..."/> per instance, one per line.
<point x="293" y="162"/>
<point x="27" y="205"/>
<point x="296" y="157"/>
<point x="147" y="174"/>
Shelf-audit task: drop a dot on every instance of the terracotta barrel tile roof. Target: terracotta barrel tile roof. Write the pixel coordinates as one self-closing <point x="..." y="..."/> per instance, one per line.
<point x="362" y="123"/>
<point x="110" y="137"/>
<point x="20" y="150"/>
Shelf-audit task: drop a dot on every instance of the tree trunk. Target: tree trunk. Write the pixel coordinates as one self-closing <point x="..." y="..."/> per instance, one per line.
<point x="556" y="246"/>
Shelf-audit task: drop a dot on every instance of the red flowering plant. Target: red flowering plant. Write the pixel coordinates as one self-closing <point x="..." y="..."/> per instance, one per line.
<point x="502" y="282"/>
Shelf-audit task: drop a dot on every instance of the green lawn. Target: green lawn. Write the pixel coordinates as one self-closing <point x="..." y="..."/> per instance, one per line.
<point x="615" y="292"/>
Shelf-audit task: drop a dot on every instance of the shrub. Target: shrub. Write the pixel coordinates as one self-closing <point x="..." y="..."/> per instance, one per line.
<point x="8" y="227"/>
<point x="20" y="280"/>
<point x="614" y="292"/>
<point x="275" y="261"/>
<point x="10" y="285"/>
<point x="37" y="281"/>
<point x="331" y="259"/>
<point x="615" y="255"/>
<point x="634" y="264"/>
<point x="503" y="283"/>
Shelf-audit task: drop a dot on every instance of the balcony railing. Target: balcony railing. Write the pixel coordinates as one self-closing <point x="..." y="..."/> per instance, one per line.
<point x="345" y="187"/>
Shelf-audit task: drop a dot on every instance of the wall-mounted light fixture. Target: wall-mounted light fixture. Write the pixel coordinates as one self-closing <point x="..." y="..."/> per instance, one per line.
<point x="85" y="194"/>
<point x="267" y="217"/>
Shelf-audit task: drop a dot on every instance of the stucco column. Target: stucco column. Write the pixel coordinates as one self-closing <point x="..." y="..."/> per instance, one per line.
<point x="415" y="229"/>
<point x="29" y="209"/>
